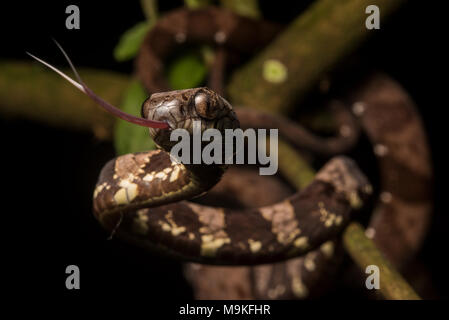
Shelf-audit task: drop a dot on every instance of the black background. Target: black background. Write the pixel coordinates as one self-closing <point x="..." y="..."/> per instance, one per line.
<point x="49" y="174"/>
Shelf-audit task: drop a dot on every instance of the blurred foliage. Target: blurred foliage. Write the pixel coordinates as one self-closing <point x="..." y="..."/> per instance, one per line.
<point x="186" y="71"/>
<point x="149" y="8"/>
<point x="130" y="41"/>
<point x="129" y="137"/>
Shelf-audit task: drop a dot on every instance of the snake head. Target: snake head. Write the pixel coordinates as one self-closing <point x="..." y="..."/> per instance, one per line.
<point x="179" y="109"/>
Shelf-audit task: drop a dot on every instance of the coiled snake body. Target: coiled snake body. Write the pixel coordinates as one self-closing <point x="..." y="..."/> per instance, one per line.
<point x="142" y="196"/>
<point x="209" y="234"/>
<point x="381" y="108"/>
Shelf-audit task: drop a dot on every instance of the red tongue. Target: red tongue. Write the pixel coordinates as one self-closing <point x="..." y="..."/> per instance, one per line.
<point x="104" y="104"/>
<point x="123" y="115"/>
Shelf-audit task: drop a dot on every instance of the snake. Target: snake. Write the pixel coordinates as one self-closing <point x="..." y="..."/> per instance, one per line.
<point x="154" y="184"/>
<point x="376" y="107"/>
<point x="143" y="197"/>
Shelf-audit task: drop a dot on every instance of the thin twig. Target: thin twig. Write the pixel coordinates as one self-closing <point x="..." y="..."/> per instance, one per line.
<point x="55" y="102"/>
<point x="247" y="8"/>
<point x="149" y="8"/>
<point x="194" y="4"/>
<point x="364" y="252"/>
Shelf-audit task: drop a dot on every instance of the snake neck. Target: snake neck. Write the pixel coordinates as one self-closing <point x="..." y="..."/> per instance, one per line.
<point x="149" y="179"/>
<point x="206" y="176"/>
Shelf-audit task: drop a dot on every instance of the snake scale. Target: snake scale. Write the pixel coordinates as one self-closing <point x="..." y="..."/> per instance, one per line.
<point x="142" y="196"/>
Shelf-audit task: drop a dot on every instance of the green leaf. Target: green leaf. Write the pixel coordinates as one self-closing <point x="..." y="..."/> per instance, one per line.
<point x="129" y="137"/>
<point x="186" y="71"/>
<point x="130" y="41"/>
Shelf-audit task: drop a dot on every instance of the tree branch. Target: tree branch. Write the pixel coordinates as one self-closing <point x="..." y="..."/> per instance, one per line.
<point x="311" y="45"/>
<point x="364" y="252"/>
<point x="55" y="102"/>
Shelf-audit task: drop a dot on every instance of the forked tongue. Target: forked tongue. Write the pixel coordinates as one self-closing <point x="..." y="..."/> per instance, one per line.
<point x="104" y="104"/>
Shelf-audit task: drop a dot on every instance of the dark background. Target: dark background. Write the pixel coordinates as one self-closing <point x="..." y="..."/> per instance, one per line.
<point x="49" y="174"/>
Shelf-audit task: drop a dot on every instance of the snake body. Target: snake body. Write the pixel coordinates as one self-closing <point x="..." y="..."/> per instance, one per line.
<point x="210" y="234"/>
<point x="399" y="221"/>
<point x="142" y="197"/>
<point x="381" y="108"/>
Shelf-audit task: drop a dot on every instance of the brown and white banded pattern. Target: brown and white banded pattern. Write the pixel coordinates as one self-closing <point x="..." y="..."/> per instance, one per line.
<point x="381" y="108"/>
<point x="130" y="185"/>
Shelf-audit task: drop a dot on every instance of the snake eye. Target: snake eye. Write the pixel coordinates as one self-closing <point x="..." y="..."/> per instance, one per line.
<point x="203" y="106"/>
